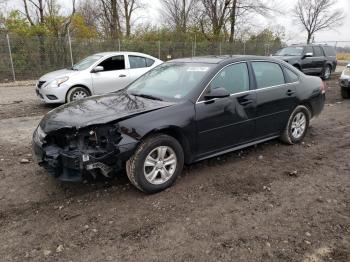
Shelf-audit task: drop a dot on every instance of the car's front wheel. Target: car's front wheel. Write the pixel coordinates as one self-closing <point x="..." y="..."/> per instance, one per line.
<point x="155" y="165"/>
<point x="297" y="125"/>
<point x="77" y="93"/>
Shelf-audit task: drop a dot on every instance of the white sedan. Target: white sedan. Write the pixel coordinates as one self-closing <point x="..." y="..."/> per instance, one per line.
<point x="97" y="74"/>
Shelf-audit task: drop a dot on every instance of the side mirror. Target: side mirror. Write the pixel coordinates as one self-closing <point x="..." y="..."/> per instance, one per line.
<point x="97" y="69"/>
<point x="309" y="55"/>
<point x="217" y="93"/>
<point x="348" y="66"/>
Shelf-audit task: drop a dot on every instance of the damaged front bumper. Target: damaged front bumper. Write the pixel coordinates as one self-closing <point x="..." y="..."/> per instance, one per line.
<point x="91" y="152"/>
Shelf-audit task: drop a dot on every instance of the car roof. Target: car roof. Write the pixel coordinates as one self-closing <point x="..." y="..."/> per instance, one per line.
<point x="220" y="59"/>
<point x="122" y="53"/>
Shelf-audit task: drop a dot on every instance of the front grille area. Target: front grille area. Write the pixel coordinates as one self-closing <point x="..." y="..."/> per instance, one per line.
<point x="40" y="84"/>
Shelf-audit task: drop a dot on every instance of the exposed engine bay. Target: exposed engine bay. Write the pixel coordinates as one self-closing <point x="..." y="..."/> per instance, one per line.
<point x="71" y="154"/>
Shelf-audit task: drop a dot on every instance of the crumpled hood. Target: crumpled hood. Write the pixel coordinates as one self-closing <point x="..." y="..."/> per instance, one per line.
<point x="56" y="74"/>
<point x="98" y="110"/>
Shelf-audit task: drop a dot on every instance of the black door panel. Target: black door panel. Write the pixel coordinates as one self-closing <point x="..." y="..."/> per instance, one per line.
<point x="225" y="122"/>
<point x="274" y="106"/>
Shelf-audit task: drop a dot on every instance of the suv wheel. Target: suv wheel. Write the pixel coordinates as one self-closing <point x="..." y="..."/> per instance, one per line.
<point x="156" y="163"/>
<point x="77" y="93"/>
<point x="326" y="74"/>
<point x="345" y="92"/>
<point x="297" y="125"/>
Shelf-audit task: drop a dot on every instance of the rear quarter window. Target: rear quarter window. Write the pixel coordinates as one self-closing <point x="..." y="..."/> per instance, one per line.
<point x="291" y="77"/>
<point x="329" y="51"/>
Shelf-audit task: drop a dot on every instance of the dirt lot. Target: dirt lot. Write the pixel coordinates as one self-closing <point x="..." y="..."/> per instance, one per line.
<point x="244" y="206"/>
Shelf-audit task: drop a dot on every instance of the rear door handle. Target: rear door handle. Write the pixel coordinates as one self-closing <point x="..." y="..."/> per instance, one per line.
<point x="290" y="92"/>
<point x="122" y="75"/>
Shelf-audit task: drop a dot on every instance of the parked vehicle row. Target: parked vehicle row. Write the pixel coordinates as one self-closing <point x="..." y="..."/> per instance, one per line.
<point x="313" y="59"/>
<point x="180" y="112"/>
<point x="97" y="74"/>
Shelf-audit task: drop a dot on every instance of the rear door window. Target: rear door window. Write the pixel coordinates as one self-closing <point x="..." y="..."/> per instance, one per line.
<point x="113" y="63"/>
<point x="137" y="61"/>
<point x="318" y="51"/>
<point x="268" y="74"/>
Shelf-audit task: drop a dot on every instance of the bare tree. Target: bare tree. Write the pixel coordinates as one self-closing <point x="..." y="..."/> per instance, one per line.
<point x="217" y="12"/>
<point x="317" y="15"/>
<point x="111" y="16"/>
<point x="177" y="13"/>
<point x="38" y="12"/>
<point x="239" y="8"/>
<point x="128" y="7"/>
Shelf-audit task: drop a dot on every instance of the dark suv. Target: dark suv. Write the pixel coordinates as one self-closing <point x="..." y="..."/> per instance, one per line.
<point x="310" y="59"/>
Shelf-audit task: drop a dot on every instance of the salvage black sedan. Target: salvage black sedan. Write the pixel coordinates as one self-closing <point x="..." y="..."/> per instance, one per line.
<point x="180" y="112"/>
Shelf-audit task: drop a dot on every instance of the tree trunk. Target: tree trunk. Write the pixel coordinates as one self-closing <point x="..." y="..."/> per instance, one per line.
<point x="233" y="21"/>
<point x="309" y="35"/>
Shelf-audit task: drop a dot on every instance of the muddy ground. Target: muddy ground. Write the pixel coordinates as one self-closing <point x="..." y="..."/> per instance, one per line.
<point x="271" y="202"/>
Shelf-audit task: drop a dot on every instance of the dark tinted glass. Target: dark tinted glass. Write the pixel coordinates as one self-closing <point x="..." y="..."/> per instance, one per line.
<point x="137" y="61"/>
<point x="308" y="49"/>
<point x="234" y="78"/>
<point x="329" y="51"/>
<point x="318" y="51"/>
<point x="149" y="62"/>
<point x="291" y="76"/>
<point x="113" y="63"/>
<point x="268" y="74"/>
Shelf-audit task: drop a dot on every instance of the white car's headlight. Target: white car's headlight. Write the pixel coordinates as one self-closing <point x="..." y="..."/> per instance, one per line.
<point x="57" y="82"/>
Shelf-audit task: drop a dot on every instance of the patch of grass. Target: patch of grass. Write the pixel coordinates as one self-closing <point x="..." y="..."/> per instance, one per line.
<point x="343" y="56"/>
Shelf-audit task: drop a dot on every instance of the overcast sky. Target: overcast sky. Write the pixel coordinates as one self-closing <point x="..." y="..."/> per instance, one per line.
<point x="293" y="32"/>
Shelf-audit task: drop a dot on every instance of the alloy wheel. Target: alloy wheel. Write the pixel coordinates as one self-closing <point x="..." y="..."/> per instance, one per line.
<point x="160" y="165"/>
<point x="79" y="94"/>
<point x="298" y="125"/>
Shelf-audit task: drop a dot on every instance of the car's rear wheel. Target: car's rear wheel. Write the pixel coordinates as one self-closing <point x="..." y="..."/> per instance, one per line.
<point x="297" y="125"/>
<point x="345" y="92"/>
<point x="327" y="71"/>
<point x="155" y="165"/>
<point x="77" y="93"/>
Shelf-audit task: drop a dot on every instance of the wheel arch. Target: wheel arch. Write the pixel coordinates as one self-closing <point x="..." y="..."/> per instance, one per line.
<point x="176" y="133"/>
<point x="78" y="85"/>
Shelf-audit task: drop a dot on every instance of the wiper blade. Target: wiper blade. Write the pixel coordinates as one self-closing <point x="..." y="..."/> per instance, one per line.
<point x="148" y="96"/>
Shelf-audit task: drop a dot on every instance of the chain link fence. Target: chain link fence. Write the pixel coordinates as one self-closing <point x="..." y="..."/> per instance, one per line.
<point x="27" y="58"/>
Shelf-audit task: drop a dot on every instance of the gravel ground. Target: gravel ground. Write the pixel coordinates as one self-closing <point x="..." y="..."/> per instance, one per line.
<point x="271" y="202"/>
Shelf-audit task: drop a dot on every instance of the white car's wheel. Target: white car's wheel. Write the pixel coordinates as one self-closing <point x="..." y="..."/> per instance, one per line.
<point x="77" y="93"/>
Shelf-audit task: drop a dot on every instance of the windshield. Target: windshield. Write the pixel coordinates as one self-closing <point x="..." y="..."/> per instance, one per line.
<point x="169" y="81"/>
<point x="291" y="51"/>
<point x="86" y="62"/>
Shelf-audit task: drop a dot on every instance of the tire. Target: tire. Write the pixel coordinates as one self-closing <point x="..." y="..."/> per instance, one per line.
<point x="345" y="92"/>
<point x="140" y="174"/>
<point x="291" y="135"/>
<point x="77" y="93"/>
<point x="326" y="73"/>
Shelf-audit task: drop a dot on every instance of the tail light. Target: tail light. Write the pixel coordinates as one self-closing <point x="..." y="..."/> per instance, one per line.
<point x="323" y="87"/>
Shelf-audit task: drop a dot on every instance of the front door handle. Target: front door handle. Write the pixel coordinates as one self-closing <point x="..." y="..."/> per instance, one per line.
<point x="122" y="75"/>
<point x="290" y="92"/>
